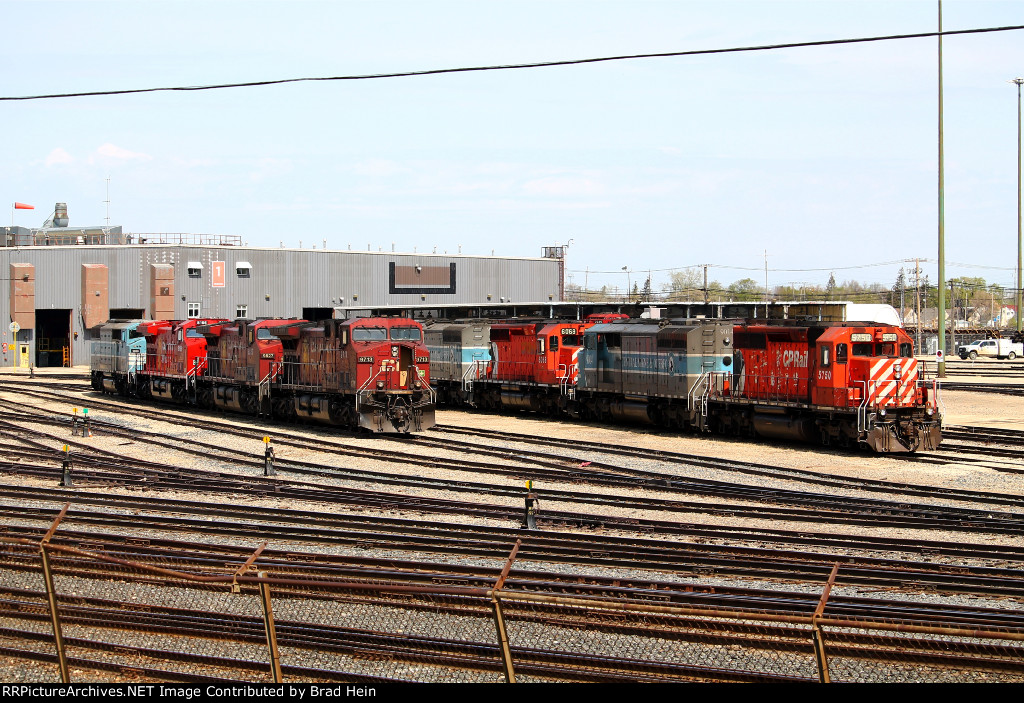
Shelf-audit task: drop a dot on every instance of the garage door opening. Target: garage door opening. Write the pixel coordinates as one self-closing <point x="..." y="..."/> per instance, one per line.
<point x="53" y="338"/>
<point x="317" y="314"/>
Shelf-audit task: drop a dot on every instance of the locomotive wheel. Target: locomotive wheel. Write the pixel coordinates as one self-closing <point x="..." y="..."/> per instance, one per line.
<point x="249" y="403"/>
<point x="284" y="409"/>
<point x="204" y="398"/>
<point x="349" y="416"/>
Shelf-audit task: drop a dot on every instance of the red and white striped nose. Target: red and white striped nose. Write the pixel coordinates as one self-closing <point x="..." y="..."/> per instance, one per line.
<point x="893" y="382"/>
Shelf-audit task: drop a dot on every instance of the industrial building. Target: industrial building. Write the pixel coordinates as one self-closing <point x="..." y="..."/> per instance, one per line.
<point x="65" y="281"/>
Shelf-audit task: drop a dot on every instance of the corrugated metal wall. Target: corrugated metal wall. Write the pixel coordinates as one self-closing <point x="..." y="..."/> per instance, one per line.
<point x="281" y="283"/>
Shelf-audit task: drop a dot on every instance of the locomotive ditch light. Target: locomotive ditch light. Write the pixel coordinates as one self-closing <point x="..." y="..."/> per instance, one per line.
<point x="380" y="385"/>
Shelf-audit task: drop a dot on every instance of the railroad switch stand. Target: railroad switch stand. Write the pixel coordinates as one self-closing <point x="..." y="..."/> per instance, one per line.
<point x="268" y="462"/>
<point x="65" y="474"/>
<point x="532" y="506"/>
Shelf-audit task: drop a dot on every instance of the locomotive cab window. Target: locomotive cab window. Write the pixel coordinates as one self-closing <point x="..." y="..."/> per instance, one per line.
<point x="540" y="345"/>
<point x="369" y="334"/>
<point x="826" y="355"/>
<point x="906" y="350"/>
<point x="405" y="333"/>
<point x="264" y="333"/>
<point x="862" y="349"/>
<point x="553" y="342"/>
<point x="887" y="349"/>
<point x="841" y="353"/>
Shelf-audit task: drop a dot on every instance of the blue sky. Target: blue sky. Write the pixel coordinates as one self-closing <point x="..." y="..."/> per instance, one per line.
<point x="826" y="157"/>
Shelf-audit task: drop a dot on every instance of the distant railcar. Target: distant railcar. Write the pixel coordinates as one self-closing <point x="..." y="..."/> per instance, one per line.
<point x="368" y="372"/>
<point x="117" y="356"/>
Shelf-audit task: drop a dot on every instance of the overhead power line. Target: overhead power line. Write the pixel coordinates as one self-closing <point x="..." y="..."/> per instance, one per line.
<point x="507" y="67"/>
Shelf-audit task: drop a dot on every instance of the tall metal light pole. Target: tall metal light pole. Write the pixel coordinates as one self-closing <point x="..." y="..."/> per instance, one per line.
<point x="942" y="223"/>
<point x="1018" y="81"/>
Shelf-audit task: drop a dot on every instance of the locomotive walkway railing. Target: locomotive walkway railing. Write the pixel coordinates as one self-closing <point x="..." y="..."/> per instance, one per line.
<point x="170" y="617"/>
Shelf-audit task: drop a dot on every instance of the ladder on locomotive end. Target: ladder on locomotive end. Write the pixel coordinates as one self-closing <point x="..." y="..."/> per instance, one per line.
<point x="701" y="390"/>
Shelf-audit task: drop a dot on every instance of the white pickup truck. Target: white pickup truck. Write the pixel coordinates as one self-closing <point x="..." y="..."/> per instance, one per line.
<point x="996" y="348"/>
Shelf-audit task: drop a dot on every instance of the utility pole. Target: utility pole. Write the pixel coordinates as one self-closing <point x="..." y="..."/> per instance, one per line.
<point x="942" y="223"/>
<point x="952" y="318"/>
<point x="1018" y="81"/>
<point x="917" y="296"/>
<point x="706" y="284"/>
<point x="766" y="284"/>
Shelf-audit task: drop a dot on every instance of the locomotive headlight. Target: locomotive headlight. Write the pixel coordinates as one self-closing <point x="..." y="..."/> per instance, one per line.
<point x="394" y="352"/>
<point x="929" y="411"/>
<point x="380" y="385"/>
<point x="882" y="412"/>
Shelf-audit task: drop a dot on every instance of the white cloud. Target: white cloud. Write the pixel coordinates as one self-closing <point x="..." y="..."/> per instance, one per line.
<point x="57" y="157"/>
<point x="112" y="152"/>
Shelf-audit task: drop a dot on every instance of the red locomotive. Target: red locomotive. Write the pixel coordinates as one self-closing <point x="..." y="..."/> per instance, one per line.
<point x="368" y="372"/>
<point x="175" y="358"/>
<point x="534" y="365"/>
<point x="843" y="384"/>
<point x="244" y="360"/>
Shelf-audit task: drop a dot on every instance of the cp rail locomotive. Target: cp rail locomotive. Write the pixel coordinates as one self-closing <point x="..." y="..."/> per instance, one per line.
<point x="849" y="384"/>
<point x="371" y="373"/>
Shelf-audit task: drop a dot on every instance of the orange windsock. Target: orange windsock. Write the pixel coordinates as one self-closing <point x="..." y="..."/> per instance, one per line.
<point x="23" y="206"/>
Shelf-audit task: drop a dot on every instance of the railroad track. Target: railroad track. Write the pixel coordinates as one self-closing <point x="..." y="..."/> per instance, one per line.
<point x="810" y="507"/>
<point x="149" y="523"/>
<point x="944" y="455"/>
<point x="573" y="462"/>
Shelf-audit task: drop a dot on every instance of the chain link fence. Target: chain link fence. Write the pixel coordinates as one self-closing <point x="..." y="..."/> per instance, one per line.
<point x="79" y="612"/>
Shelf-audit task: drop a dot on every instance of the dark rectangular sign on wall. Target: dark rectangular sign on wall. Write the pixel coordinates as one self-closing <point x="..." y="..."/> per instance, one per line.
<point x="435" y="280"/>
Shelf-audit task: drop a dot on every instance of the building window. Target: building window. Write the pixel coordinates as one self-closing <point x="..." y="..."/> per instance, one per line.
<point x="195" y="269"/>
<point x="241" y="312"/>
<point x="243" y="269"/>
<point x="194" y="310"/>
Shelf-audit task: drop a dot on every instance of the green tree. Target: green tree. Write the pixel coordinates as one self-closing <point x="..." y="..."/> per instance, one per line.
<point x="685" y="284"/>
<point x="746" y="289"/>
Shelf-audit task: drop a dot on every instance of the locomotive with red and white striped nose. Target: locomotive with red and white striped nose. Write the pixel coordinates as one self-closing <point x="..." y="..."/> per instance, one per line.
<point x="846" y="384"/>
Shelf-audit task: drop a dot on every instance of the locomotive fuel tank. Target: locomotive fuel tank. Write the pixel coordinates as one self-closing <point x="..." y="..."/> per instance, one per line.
<point x="315" y="407"/>
<point x="229" y="397"/>
<point x="629" y="411"/>
<point x="777" y="426"/>
<point x="161" y="388"/>
<point x="520" y="401"/>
